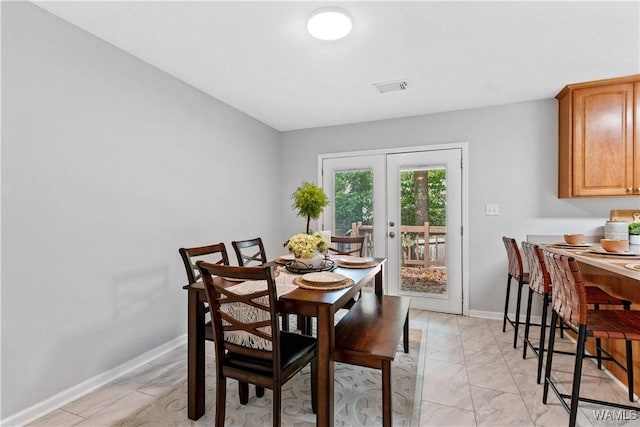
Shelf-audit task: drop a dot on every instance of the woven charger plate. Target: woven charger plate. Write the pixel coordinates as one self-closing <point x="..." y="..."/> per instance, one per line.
<point x="635" y="267"/>
<point x="300" y="282"/>
<point x="346" y="265"/>
<point x="604" y="254"/>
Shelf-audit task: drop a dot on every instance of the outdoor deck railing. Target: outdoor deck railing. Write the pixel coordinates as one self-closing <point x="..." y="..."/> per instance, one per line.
<point x="413" y="239"/>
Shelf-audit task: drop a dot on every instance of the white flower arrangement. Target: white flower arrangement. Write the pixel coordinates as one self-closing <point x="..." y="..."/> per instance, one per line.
<point x="306" y="245"/>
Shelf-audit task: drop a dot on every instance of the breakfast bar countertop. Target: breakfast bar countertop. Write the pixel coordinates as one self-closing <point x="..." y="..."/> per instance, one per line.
<point x="612" y="263"/>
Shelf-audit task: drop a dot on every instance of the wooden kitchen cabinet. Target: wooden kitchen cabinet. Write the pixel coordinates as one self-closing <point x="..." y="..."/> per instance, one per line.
<point x="599" y="138"/>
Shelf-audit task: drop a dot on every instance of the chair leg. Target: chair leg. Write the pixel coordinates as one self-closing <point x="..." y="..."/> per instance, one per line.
<point x="547" y="370"/>
<point x="387" y="408"/>
<point x="221" y="399"/>
<point x="599" y="352"/>
<point x="304" y="324"/>
<point x="577" y="376"/>
<point x="314" y="385"/>
<point x="285" y="322"/>
<point x="259" y="391"/>
<point x="243" y="392"/>
<point x="506" y="304"/>
<point x="527" y="323"/>
<point x="543" y="329"/>
<point x="405" y="334"/>
<point x="629" y="369"/>
<point x="276" y="415"/>
<point x="310" y="326"/>
<point x="517" y="319"/>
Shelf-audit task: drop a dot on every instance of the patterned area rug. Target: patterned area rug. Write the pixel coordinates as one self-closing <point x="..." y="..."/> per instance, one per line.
<point x="358" y="398"/>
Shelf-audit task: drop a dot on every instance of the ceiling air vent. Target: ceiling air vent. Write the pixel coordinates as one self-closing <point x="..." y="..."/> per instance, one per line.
<point x="391" y="86"/>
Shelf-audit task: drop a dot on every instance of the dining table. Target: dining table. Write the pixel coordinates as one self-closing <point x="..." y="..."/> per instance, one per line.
<point x="319" y="304"/>
<point x="619" y="275"/>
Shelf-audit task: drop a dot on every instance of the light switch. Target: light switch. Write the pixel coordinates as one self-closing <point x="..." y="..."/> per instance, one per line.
<point x="492" y="210"/>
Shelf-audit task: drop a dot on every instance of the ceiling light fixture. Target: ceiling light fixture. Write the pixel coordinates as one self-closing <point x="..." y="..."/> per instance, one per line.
<point x="329" y="23"/>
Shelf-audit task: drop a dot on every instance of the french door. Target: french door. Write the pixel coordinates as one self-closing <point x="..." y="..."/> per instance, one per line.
<point x="409" y="207"/>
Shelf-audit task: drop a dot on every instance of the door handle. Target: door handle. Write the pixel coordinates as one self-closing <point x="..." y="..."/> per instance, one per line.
<point x="392" y="234"/>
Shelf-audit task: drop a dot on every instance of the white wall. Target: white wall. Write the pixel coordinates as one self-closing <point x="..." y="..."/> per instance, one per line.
<point x="108" y="167"/>
<point x="512" y="162"/>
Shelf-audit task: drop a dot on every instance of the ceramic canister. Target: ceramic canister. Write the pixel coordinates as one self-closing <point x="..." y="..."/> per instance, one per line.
<point x="618" y="230"/>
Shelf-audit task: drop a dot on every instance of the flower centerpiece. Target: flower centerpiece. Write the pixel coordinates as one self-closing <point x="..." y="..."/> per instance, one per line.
<point x="306" y="245"/>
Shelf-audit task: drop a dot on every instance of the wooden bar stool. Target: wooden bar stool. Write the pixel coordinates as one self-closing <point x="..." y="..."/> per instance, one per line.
<point x="569" y="304"/>
<point x="516" y="272"/>
<point x="540" y="283"/>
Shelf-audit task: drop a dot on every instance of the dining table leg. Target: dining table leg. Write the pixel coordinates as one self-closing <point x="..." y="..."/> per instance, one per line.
<point x="378" y="282"/>
<point x="326" y="343"/>
<point x="196" y="356"/>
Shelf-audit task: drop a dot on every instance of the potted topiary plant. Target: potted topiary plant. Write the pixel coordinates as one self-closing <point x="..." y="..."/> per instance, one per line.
<point x="634" y="233"/>
<point x="309" y="200"/>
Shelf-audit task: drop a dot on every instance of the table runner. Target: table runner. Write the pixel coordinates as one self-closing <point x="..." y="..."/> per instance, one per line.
<point x="248" y="314"/>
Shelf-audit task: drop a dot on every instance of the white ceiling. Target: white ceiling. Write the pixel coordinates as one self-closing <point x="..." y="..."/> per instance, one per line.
<point x="258" y="57"/>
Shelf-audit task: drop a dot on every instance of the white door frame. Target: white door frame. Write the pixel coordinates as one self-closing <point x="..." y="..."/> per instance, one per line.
<point x="463" y="146"/>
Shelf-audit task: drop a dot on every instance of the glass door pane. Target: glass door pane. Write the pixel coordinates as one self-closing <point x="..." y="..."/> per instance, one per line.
<point x="356" y="190"/>
<point x="353" y="205"/>
<point x="424" y="228"/>
<point x="423" y="212"/>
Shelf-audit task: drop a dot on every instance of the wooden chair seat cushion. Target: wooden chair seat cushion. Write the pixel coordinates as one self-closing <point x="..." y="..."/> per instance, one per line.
<point x="616" y="324"/>
<point x="294" y="348"/>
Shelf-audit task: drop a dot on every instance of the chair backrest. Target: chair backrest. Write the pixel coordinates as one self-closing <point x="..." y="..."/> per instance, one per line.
<point x="249" y="251"/>
<point x="516" y="270"/>
<point x="347" y="245"/>
<point x="539" y="279"/>
<point x="569" y="297"/>
<point x="215" y="254"/>
<point x="244" y="315"/>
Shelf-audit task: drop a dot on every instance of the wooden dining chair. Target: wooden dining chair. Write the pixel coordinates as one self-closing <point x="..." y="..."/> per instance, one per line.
<point x="216" y="254"/>
<point x="249" y="252"/>
<point x="569" y="303"/>
<point x="249" y="345"/>
<point x="350" y="246"/>
<point x="345" y="245"/>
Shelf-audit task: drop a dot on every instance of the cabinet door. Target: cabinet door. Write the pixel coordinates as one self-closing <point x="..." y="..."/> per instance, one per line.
<point x="603" y="141"/>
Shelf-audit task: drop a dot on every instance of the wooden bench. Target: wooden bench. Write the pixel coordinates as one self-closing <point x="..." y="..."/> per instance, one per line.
<point x="368" y="335"/>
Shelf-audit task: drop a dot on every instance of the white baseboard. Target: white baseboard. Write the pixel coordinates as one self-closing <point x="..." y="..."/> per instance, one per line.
<point x="69" y="395"/>
<point x="494" y="315"/>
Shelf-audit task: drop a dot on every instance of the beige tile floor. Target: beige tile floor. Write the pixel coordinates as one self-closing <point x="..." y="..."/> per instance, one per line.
<point x="472" y="377"/>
